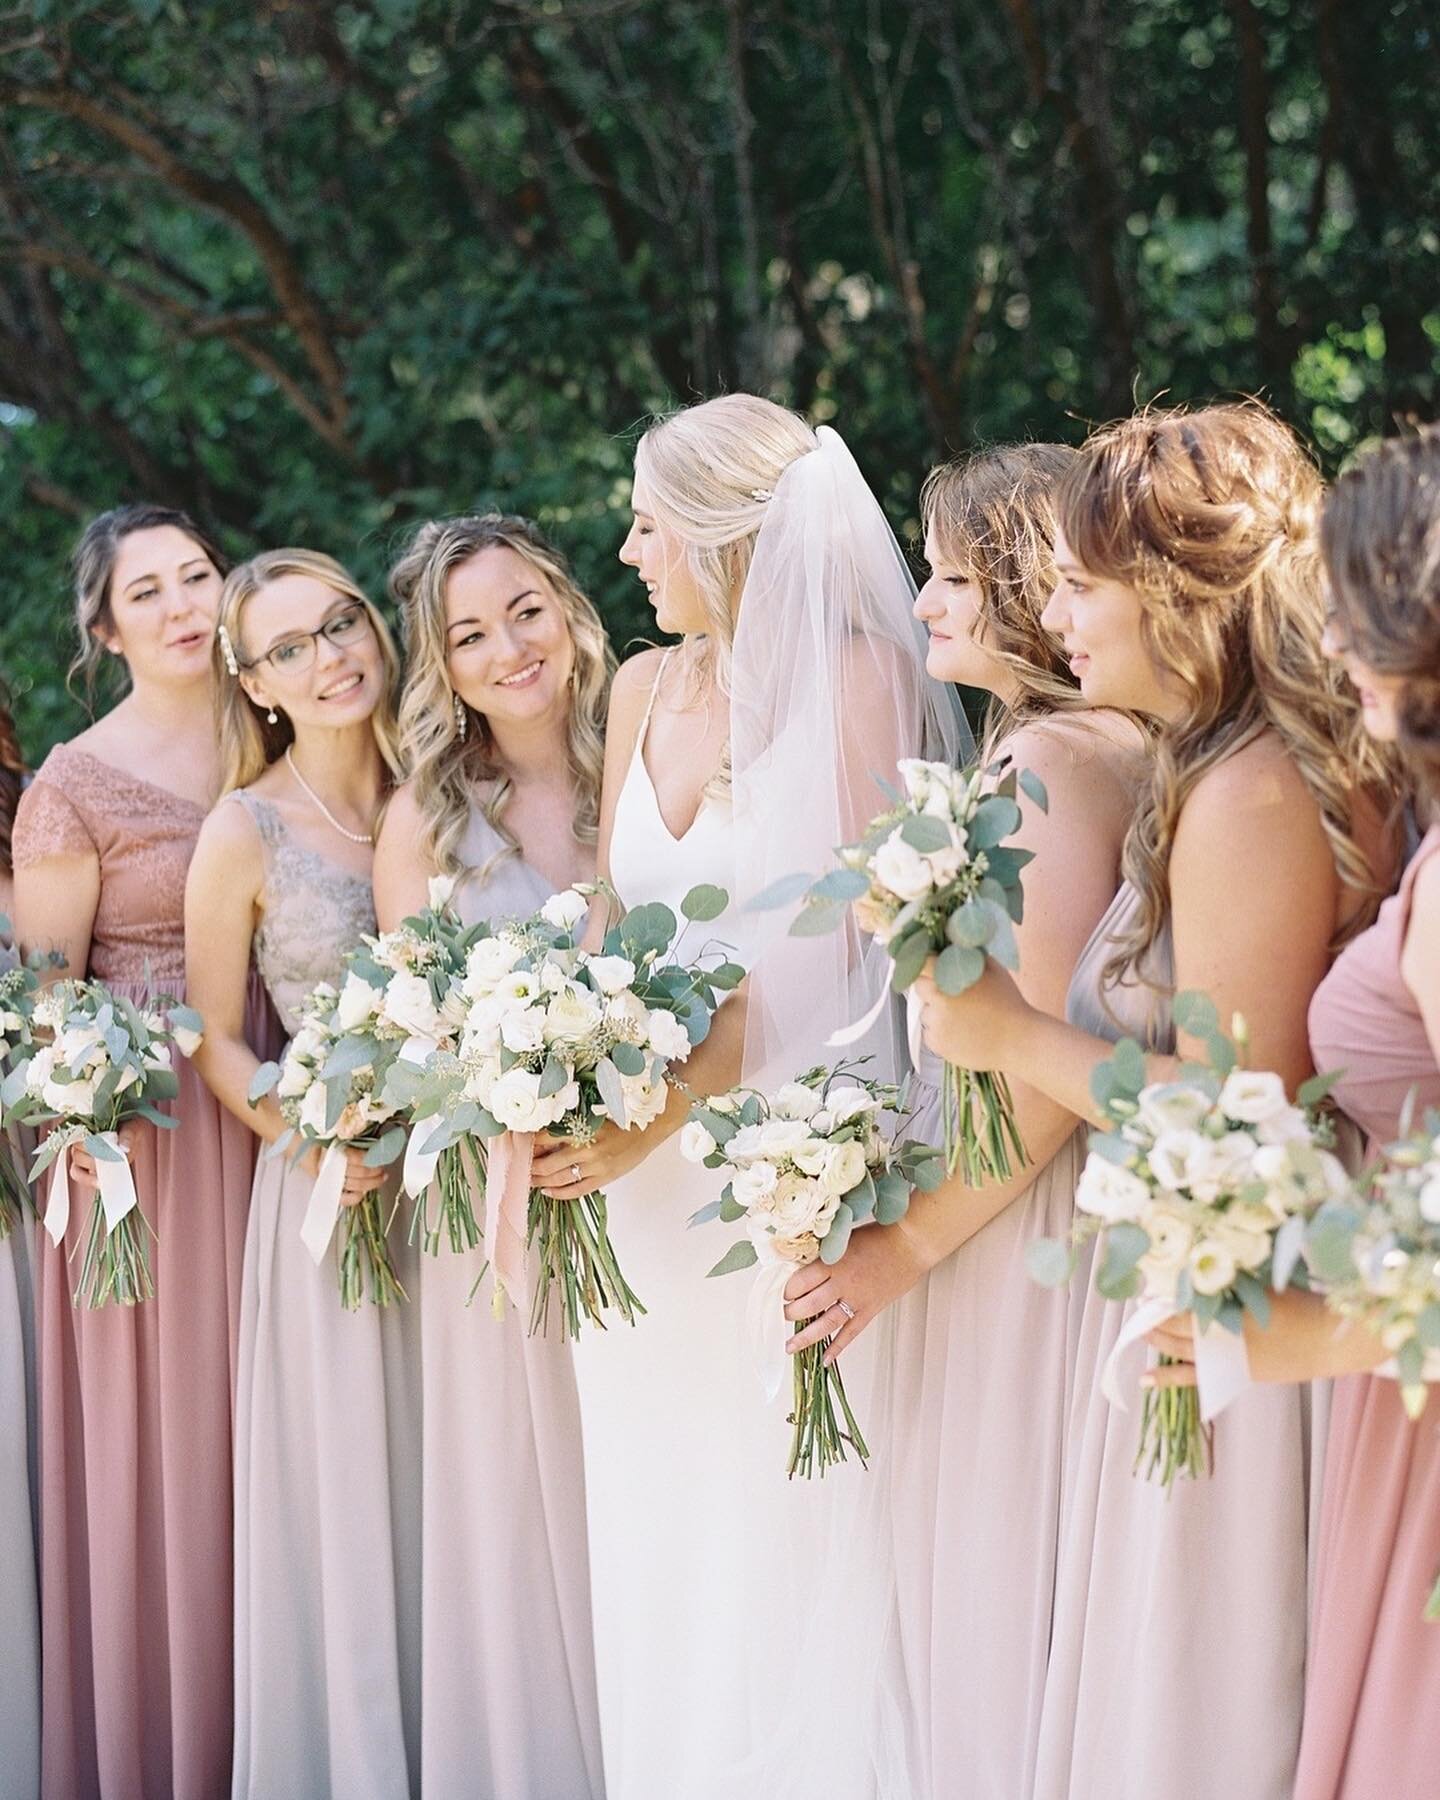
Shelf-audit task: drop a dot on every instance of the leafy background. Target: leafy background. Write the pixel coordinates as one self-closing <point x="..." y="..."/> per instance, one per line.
<point x="318" y="271"/>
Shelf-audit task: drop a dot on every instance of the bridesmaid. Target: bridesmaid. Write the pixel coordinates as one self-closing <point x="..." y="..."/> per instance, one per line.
<point x="1374" y="1663"/>
<point x="972" y="1572"/>
<point x="502" y="722"/>
<point x="19" y="1595"/>
<point x="135" y="1403"/>
<point x="1189" y="592"/>
<point x="327" y="1500"/>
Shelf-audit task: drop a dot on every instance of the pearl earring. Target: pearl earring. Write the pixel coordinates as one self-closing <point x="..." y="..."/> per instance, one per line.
<point x="272" y="717"/>
<point x="462" y="718"/>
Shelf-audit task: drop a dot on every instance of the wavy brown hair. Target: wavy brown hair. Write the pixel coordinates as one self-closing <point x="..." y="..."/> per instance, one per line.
<point x="993" y="514"/>
<point x="447" y="768"/>
<point x="1380" y="535"/>
<point x="1211" y="517"/>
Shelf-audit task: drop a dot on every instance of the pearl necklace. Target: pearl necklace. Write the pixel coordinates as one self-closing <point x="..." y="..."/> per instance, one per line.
<point x="355" y="837"/>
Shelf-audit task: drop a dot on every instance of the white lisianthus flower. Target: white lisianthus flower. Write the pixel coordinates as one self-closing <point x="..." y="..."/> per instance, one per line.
<point x="945" y="865"/>
<point x="515" y="1100"/>
<point x="611" y="973"/>
<point x="1171" y="1156"/>
<point x="902" y="869"/>
<point x="1170" y="1106"/>
<point x="358" y="1002"/>
<point x="1287" y="1125"/>
<point x="565" y="910"/>
<point x="754" y="1183"/>
<point x="519" y="988"/>
<point x="1110" y="1192"/>
<point x="523" y="1029"/>
<point x="156" y="1057"/>
<point x="696" y="1142"/>
<point x="724" y="1104"/>
<point x="1219" y="1166"/>
<point x="844" y="1168"/>
<point x="796" y="1101"/>
<point x="1252" y="1095"/>
<point x="845" y="1103"/>
<point x="187" y="1039"/>
<point x="488" y="962"/>
<point x="313" y="1108"/>
<point x="39" y="1069"/>
<point x="1248" y="1247"/>
<point x="295" y="1078"/>
<point x="782" y="1137"/>
<point x="668" y="1037"/>
<point x="438" y="891"/>
<point x="918" y="778"/>
<point x="1171" y="1240"/>
<point x="408" y="1006"/>
<point x="748" y="1141"/>
<point x="573" y="1014"/>
<point x="1212" y="1267"/>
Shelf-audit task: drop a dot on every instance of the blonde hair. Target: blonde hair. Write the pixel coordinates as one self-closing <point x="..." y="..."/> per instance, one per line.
<point x="993" y="514"/>
<point x="1380" y="534"/>
<point x="248" y="743"/>
<point x="710" y="471"/>
<point x="447" y="768"/>
<point x="92" y="566"/>
<point x="1211" y="518"/>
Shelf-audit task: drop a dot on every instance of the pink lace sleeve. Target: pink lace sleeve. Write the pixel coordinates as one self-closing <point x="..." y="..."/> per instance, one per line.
<point x="47" y="823"/>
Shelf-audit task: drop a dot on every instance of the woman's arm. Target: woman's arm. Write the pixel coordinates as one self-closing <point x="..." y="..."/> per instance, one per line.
<point x="402" y="868"/>
<point x="1420" y="957"/>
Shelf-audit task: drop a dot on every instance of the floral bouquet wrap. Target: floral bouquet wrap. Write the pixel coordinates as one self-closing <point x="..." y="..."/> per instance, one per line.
<point x="804" y="1168"/>
<point x="97" y="1060"/>
<point x="558" y="1039"/>
<point x="1200" y="1192"/>
<point x="933" y="877"/>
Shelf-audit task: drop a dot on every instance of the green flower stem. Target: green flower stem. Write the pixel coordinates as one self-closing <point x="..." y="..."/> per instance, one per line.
<point x="1432" y="1605"/>
<point x="456" y="1223"/>
<point x="16" y="1199"/>
<point x="1174" y="1441"/>
<point x="364" y="1258"/>
<point x="817" y="1439"/>
<point x="575" y="1260"/>
<point x="982" y="1138"/>
<point x="115" y="1266"/>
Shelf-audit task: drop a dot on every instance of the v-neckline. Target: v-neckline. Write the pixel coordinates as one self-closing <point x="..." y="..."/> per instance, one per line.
<point x="655" y="798"/>
<point x="116" y="773"/>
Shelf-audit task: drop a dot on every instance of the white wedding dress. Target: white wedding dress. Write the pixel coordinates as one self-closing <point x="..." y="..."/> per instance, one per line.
<point x="704" y="1559"/>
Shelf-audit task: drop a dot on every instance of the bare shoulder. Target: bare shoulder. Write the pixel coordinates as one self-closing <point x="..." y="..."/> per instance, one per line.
<point x="636" y="676"/>
<point x="1254" y="803"/>
<point x="402" y="820"/>
<point x="1101" y="754"/>
<point x="229" y="844"/>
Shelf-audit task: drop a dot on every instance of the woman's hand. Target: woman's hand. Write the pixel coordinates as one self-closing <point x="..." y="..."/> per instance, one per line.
<point x="841" y="1299"/>
<point x="978" y="1029"/>
<point x="567" y="1169"/>
<point x="1304" y="1341"/>
<point x="359" y="1180"/>
<point x="82" y="1164"/>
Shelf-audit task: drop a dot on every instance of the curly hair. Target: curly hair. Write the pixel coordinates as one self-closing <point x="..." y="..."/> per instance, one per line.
<point x="447" y="767"/>
<point x="1211" y="517"/>
<point x="1380" y="537"/>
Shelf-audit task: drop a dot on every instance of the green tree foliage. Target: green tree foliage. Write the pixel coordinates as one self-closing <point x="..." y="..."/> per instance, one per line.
<point x="318" y="271"/>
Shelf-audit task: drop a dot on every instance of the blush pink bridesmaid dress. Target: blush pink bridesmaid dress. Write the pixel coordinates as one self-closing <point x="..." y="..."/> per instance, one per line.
<point x="1372" y="1725"/>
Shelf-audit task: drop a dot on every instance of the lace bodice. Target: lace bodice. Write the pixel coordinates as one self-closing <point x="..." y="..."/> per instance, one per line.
<point x="143" y="837"/>
<point x="312" y="913"/>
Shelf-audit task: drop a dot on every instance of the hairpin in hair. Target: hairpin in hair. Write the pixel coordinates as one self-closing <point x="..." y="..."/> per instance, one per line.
<point x="227" y="650"/>
<point x="762" y="494"/>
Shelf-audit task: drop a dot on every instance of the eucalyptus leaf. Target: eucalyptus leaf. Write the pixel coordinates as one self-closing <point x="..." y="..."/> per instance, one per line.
<point x="741" y="1255"/>
<point x="607" y="1079"/>
<point x="910" y="958"/>
<point x="1051" y="1261"/>
<point x="841" y="884"/>
<point x="925" y="834"/>
<point x="957" y="969"/>
<point x="386" y="1148"/>
<point x="704" y="903"/>
<point x="784" y="892"/>
<point x="836" y="1241"/>
<point x="1034" y="788"/>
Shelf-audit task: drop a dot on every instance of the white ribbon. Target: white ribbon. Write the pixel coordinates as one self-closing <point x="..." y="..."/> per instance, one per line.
<point x="851" y="1034"/>
<point x="318" y="1225"/>
<point x="1222" y="1368"/>
<point x="117" y="1187"/>
<point x="766" y="1324"/>
<point x="418" y="1170"/>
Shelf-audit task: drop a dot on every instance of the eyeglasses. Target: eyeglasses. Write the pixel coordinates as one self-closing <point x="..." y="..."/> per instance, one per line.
<point x="293" y="655"/>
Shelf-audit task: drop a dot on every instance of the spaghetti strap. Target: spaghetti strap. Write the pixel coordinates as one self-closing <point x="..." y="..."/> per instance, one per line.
<point x="650" y="703"/>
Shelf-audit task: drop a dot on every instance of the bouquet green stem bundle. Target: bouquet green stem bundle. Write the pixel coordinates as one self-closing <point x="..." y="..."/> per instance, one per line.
<point x="981" y="1137"/>
<point x="575" y="1264"/>
<point x="817" y="1439"/>
<point x="1174" y="1440"/>
<point x="459" y="1174"/>
<point x="366" y="1267"/>
<point x="16" y="1200"/>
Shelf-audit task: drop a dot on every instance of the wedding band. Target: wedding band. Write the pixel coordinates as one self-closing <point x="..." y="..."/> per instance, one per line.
<point x="846" y="1308"/>
<point x="574" y="1171"/>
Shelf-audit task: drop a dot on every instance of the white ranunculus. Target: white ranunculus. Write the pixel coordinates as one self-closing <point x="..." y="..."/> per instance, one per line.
<point x="1252" y="1095"/>
<point x="696" y="1142"/>
<point x="1219" y="1166"/>
<point x="313" y="1108"/>
<point x="573" y="1014"/>
<point x="489" y="961"/>
<point x="844" y="1103"/>
<point x="1248" y="1247"/>
<point x="754" y="1182"/>
<point x="1171" y="1106"/>
<point x="844" y="1168"/>
<point x="668" y="1037"/>
<point x="795" y="1101"/>
<point x="438" y="891"/>
<point x="1110" y="1192"/>
<point x="295" y="1078"/>
<point x="523" y="1029"/>
<point x="76" y="1098"/>
<point x="1212" y="1267"/>
<point x="798" y="1206"/>
<point x="358" y="1002"/>
<point x="187" y="1039"/>
<point x="409" y="1007"/>
<point x="515" y="1100"/>
<point x="565" y="911"/>
<point x="644" y="1100"/>
<point x="611" y="973"/>
<point x="901" y="869"/>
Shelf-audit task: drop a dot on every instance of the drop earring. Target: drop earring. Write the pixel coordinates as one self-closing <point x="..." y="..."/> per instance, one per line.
<point x="272" y="717"/>
<point x="462" y="718"/>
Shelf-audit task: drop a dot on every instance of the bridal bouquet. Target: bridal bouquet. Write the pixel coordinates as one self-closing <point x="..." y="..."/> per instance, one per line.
<point x="933" y="877"/>
<point x="1200" y="1192"/>
<point x="332" y="1085"/>
<point x="557" y="1039"/>
<point x="98" y="1061"/>
<point x="17" y="1000"/>
<point x="804" y="1168"/>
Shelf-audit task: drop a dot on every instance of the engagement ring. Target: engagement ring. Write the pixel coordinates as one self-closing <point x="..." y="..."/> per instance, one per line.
<point x="574" y="1171"/>
<point x="846" y="1308"/>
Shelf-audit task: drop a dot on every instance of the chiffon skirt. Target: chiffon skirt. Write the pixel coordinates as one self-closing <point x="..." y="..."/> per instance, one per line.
<point x="136" y="1408"/>
<point x="19" y="1595"/>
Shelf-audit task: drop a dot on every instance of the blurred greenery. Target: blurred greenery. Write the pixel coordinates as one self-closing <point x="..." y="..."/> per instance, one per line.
<point x="316" y="272"/>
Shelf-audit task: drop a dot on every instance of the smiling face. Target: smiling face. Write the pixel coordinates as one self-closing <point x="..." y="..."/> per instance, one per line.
<point x="657" y="555"/>
<point x="163" y="601"/>
<point x="949" y="606"/>
<point x="508" y="649"/>
<point x="1099" y="622"/>
<point x="329" y="681"/>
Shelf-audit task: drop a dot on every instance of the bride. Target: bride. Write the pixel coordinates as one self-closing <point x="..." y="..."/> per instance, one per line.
<point x="741" y="755"/>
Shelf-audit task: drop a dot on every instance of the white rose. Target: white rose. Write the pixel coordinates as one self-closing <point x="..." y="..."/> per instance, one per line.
<point x="358" y="1003"/>
<point x="516" y="1102"/>
<point x="565" y="911"/>
<point x="313" y="1108"/>
<point x="1219" y="1166"/>
<point x="1171" y="1106"/>
<point x="523" y="1030"/>
<point x="844" y="1167"/>
<point x="848" y="1103"/>
<point x="668" y="1037"/>
<point x="901" y="869"/>
<point x="1212" y="1267"/>
<point x="753" y="1183"/>
<point x="796" y="1101"/>
<point x="75" y="1097"/>
<point x="1110" y="1192"/>
<point x="573" y="1014"/>
<point x="489" y="961"/>
<point x="1251" y="1095"/>
<point x="611" y="974"/>
<point x="408" y="1006"/>
<point x="438" y="891"/>
<point x="644" y="1100"/>
<point x="696" y="1142"/>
